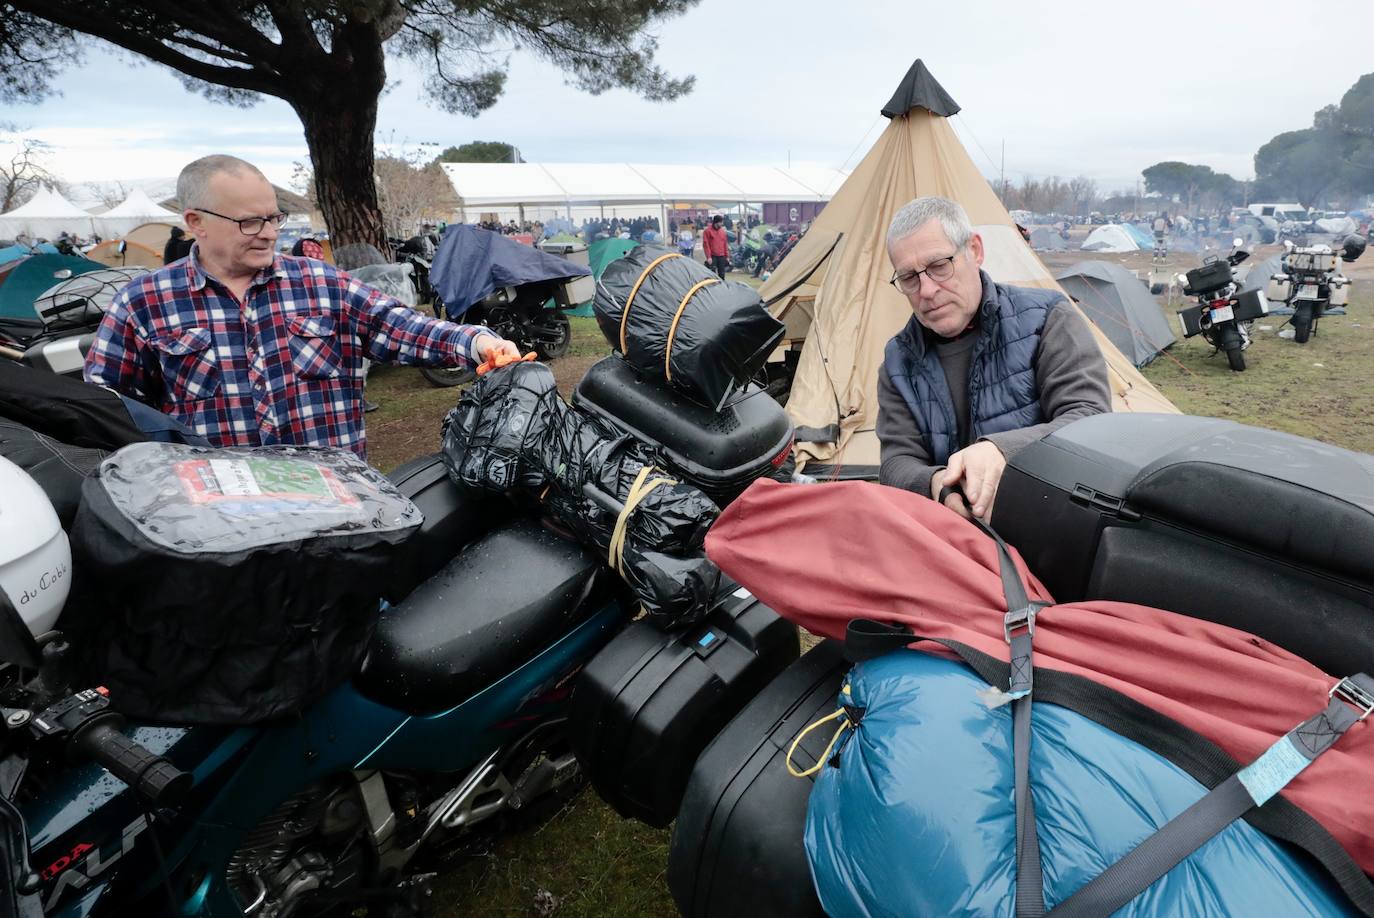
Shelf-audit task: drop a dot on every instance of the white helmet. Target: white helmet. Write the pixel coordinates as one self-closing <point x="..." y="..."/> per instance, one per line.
<point x="35" y="559"/>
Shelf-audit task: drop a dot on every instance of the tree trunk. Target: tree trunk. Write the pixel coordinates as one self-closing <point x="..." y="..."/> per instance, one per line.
<point x="339" y="133"/>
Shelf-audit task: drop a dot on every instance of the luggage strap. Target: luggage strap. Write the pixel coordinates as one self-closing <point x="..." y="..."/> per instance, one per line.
<point x="642" y="487"/>
<point x="1351" y="701"/>
<point x="643" y="276"/>
<point x="672" y="329"/>
<point x="866" y="639"/>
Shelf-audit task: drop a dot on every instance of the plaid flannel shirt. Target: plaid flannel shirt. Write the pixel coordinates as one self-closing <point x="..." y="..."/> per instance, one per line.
<point x="283" y="367"/>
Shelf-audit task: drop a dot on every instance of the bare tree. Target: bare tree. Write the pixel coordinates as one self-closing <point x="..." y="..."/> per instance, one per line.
<point x="1083" y="191"/>
<point x="410" y="193"/>
<point x="25" y="170"/>
<point x="109" y="194"/>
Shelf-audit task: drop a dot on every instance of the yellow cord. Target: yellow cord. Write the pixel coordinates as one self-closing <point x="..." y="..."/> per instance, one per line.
<point x="641" y="489"/>
<point x="820" y="763"/>
<point x="672" y="329"/>
<point x="625" y="316"/>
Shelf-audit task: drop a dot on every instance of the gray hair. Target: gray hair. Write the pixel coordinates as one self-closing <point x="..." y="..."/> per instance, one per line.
<point x="952" y="217"/>
<point x="193" y="184"/>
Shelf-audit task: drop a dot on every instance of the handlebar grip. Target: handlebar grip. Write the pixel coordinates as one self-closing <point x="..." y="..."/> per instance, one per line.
<point x="156" y="779"/>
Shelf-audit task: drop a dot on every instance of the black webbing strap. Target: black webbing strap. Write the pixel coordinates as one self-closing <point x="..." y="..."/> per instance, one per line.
<point x="864" y="640"/>
<point x="1351" y="701"/>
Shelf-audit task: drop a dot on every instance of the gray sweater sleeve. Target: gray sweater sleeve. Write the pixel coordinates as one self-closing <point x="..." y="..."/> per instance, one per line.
<point x="1071" y="373"/>
<point x="905" y="462"/>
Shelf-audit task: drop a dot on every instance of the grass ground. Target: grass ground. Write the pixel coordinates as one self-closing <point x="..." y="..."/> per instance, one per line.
<point x="587" y="862"/>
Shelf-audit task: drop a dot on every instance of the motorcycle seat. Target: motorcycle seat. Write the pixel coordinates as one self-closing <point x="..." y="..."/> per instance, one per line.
<point x="496" y="605"/>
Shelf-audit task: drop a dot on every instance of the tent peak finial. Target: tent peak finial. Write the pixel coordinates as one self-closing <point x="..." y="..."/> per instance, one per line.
<point x="919" y="89"/>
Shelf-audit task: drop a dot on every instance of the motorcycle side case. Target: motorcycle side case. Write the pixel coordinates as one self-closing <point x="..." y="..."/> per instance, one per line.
<point x="454" y="517"/>
<point x="649" y="702"/>
<point x="63" y="356"/>
<point x="1249" y="305"/>
<point x="738" y="844"/>
<point x="1259" y="530"/>
<point x="719" y="452"/>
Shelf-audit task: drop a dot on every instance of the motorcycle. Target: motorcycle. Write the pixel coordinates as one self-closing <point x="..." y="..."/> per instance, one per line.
<point x="1311" y="282"/>
<point x="1222" y="315"/>
<point x="66" y="316"/>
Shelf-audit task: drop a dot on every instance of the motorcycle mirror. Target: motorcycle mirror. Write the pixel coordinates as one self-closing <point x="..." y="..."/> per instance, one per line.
<point x="1237" y="242"/>
<point x="17" y="645"/>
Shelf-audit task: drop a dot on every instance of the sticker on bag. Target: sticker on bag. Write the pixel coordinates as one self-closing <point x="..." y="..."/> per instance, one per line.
<point x="263" y="482"/>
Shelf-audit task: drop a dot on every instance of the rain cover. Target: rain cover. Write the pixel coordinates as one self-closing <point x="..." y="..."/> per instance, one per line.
<point x="676" y="321"/>
<point x="512" y="434"/>
<point x="916" y="816"/>
<point x="230" y="585"/>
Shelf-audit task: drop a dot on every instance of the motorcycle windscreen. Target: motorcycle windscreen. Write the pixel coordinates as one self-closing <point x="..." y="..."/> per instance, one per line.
<point x="676" y="321"/>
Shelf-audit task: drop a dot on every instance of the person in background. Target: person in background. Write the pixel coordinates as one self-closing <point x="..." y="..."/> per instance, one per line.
<point x="715" y="247"/>
<point x="178" y="246"/>
<point x="247" y="347"/>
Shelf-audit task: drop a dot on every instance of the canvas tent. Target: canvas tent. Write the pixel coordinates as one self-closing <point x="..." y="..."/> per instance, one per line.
<point x="1121" y="306"/>
<point x="136" y="210"/>
<point x="45" y="216"/>
<point x="1112" y="239"/>
<point x="832" y="291"/>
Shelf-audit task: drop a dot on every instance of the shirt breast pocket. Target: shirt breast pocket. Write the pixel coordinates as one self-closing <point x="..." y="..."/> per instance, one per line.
<point x="315" y="352"/>
<point x="189" y="371"/>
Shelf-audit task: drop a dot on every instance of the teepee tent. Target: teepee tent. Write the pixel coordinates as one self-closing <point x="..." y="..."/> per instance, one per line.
<point x="45" y="216"/>
<point x="832" y="291"/>
<point x="136" y="210"/>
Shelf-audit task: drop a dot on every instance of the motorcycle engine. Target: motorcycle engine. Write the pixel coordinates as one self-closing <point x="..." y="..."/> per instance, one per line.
<point x="303" y="848"/>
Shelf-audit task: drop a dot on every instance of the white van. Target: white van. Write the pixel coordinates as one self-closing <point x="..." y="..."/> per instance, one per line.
<point x="1280" y="212"/>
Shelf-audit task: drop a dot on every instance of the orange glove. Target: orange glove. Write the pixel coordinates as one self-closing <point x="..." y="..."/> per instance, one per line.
<point x="497" y="359"/>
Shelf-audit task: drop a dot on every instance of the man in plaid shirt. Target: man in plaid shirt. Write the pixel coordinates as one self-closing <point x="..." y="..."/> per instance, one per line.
<point x="247" y="347"/>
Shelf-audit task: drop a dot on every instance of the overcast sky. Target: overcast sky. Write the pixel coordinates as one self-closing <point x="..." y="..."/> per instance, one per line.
<point x="1072" y="88"/>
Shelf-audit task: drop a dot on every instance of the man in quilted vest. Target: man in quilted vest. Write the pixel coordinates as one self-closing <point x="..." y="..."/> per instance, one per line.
<point x="981" y="370"/>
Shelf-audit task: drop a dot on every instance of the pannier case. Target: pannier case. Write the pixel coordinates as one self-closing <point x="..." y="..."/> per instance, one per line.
<point x="719" y="452"/>
<point x="650" y="701"/>
<point x="1262" y="531"/>
<point x="1250" y="304"/>
<point x="738" y="845"/>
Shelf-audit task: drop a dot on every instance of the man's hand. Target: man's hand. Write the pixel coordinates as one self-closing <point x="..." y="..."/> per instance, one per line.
<point x="979" y="467"/>
<point x="954" y="501"/>
<point x="489" y="347"/>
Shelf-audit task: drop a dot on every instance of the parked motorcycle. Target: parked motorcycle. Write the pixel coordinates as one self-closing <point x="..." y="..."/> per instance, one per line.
<point x="65" y="318"/>
<point x="1311" y="282"/>
<point x="1222" y="315"/>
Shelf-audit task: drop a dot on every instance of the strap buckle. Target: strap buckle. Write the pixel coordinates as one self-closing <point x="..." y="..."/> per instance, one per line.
<point x="1353" y="694"/>
<point x="1018" y="619"/>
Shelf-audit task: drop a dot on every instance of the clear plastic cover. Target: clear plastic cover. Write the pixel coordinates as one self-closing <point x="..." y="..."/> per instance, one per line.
<point x="193" y="500"/>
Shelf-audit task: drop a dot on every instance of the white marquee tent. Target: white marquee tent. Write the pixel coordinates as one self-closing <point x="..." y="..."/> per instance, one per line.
<point x="46" y="215"/>
<point x="492" y="186"/>
<point x="136" y="210"/>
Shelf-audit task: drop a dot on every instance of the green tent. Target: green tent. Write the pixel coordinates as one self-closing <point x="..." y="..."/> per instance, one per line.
<point x="29" y="278"/>
<point x="599" y="254"/>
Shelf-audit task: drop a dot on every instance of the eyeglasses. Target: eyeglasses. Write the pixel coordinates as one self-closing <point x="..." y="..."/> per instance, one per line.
<point x="251" y="226"/>
<point x="940" y="270"/>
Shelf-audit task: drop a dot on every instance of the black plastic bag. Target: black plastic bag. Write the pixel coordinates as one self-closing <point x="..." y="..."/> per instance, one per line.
<point x="511" y="433"/>
<point x="676" y="321"/>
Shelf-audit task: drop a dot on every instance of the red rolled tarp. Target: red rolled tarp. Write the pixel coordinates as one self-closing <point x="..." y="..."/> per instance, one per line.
<point x="824" y="555"/>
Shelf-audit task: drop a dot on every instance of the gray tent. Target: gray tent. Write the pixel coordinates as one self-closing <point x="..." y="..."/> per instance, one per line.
<point x="1121" y="306"/>
<point x="1044" y="239"/>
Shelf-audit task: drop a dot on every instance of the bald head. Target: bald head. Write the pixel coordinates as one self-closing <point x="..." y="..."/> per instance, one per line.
<point x="193" y="184"/>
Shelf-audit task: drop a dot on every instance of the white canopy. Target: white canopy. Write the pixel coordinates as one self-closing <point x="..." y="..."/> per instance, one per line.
<point x="490" y="185"/>
<point x="46" y="215"/>
<point x="136" y="210"/>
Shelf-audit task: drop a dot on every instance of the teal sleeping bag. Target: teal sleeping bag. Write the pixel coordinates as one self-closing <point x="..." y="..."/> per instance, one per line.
<point x="914" y="815"/>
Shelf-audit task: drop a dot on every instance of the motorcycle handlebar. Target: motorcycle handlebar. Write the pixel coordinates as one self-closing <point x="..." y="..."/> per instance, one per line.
<point x="156" y="779"/>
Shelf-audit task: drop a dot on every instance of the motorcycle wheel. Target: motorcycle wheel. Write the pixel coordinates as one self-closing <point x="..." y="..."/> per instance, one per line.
<point x="1236" y="358"/>
<point x="1302" y="324"/>
<point x="550" y="350"/>
<point x="447" y="377"/>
